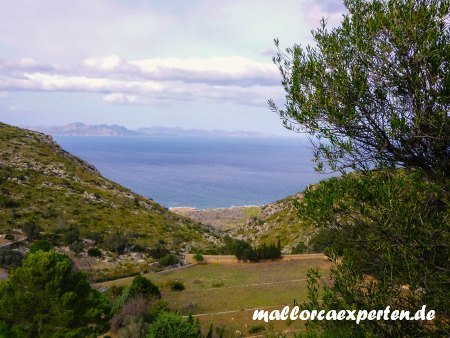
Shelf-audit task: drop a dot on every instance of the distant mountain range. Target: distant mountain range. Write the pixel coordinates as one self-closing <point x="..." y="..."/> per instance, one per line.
<point x="81" y="129"/>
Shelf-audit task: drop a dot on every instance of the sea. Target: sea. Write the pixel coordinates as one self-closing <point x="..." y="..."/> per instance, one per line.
<point x="201" y="172"/>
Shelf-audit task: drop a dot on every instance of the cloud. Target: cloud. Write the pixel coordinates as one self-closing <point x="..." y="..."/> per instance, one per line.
<point x="237" y="79"/>
<point x="121" y="98"/>
<point x="331" y="10"/>
<point x="217" y="70"/>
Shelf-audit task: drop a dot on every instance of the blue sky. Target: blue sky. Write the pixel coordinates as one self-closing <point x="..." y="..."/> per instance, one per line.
<point x="193" y="64"/>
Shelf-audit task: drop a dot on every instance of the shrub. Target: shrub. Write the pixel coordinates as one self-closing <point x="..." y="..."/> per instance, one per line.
<point x="116" y="243"/>
<point x="94" y="252"/>
<point x="97" y="237"/>
<point x="133" y="326"/>
<point x="159" y="252"/>
<point x="40" y="245"/>
<point x="123" y="295"/>
<point x="71" y="235"/>
<point x="158" y="307"/>
<point x="10" y="237"/>
<point x="176" y="286"/>
<point x="143" y="286"/>
<point x="217" y="284"/>
<point x="31" y="230"/>
<point x="136" y="306"/>
<point x="199" y="257"/>
<point x="169" y="259"/>
<point x="138" y="248"/>
<point x="115" y="291"/>
<point x="10" y="258"/>
<point x="256" y="328"/>
<point x="76" y="247"/>
<point x="172" y="325"/>
<point x="300" y="248"/>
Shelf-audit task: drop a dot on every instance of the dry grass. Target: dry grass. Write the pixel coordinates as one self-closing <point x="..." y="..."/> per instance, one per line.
<point x="220" y="294"/>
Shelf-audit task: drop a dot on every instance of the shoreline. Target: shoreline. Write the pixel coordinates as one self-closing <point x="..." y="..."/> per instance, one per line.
<point x="213" y="209"/>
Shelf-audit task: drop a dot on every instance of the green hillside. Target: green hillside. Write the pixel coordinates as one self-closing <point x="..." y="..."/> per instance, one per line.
<point x="44" y="185"/>
<point x="278" y="220"/>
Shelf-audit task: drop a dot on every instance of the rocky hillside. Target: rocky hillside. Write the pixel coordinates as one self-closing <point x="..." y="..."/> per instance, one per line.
<point x="42" y="184"/>
<point x="278" y="220"/>
<point x="220" y="218"/>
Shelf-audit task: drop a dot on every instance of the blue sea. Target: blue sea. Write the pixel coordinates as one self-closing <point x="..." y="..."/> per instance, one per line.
<point x="201" y="172"/>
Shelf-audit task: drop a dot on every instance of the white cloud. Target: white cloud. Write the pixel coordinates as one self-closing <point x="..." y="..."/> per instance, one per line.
<point x="218" y="70"/>
<point x="235" y="79"/>
<point x="120" y="98"/>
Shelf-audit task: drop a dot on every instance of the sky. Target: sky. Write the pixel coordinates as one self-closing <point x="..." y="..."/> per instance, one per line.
<point x="203" y="64"/>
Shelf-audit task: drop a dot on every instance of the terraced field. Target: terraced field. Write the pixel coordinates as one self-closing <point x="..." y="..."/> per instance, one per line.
<point x="226" y="295"/>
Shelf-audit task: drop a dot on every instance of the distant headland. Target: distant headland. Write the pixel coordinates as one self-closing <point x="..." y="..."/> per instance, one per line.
<point x="81" y="129"/>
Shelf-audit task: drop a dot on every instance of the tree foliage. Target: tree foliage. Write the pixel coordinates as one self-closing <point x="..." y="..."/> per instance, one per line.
<point x="244" y="251"/>
<point x="42" y="245"/>
<point x="392" y="235"/>
<point x="374" y="92"/>
<point x="44" y="297"/>
<point x="143" y="286"/>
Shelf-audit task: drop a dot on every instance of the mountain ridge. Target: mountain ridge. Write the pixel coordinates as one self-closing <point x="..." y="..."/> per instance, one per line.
<point x="81" y="129"/>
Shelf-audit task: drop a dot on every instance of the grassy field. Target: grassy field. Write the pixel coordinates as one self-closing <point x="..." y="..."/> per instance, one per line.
<point x="227" y="294"/>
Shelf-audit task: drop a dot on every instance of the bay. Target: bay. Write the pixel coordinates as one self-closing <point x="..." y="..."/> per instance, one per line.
<point x="201" y="172"/>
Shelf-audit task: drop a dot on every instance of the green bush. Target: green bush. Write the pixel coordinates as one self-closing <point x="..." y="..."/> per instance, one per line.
<point x="10" y="258"/>
<point x="158" y="307"/>
<point x="31" y="230"/>
<point x="94" y="252"/>
<point x="97" y="237"/>
<point x="71" y="235"/>
<point x="300" y="248"/>
<point x="116" y="243"/>
<point x="199" y="257"/>
<point x="143" y="286"/>
<point x="169" y="259"/>
<point x="170" y="325"/>
<point x="176" y="286"/>
<point x="159" y="252"/>
<point x="76" y="247"/>
<point x="256" y="328"/>
<point x="40" y="245"/>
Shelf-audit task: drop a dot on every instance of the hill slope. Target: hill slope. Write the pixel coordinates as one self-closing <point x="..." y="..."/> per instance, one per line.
<point x="278" y="220"/>
<point x="45" y="185"/>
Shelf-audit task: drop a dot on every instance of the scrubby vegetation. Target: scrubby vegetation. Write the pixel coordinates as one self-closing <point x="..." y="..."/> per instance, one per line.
<point x="45" y="189"/>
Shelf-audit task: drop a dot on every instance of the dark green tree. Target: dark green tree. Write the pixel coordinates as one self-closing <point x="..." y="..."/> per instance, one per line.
<point x="143" y="286"/>
<point x="44" y="298"/>
<point x="374" y="92"/>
